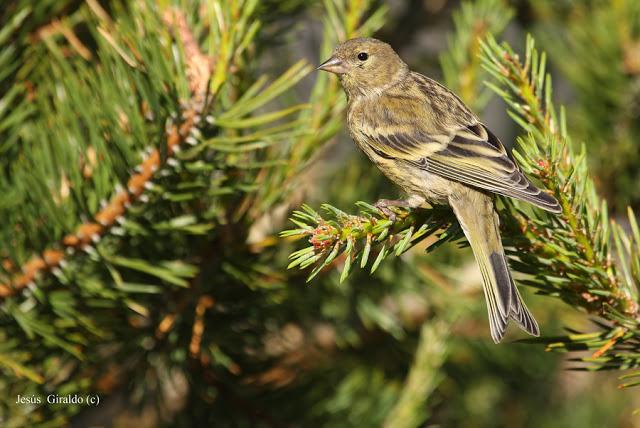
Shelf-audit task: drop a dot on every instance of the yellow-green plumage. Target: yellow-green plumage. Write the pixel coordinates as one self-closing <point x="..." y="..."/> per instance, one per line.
<point x="427" y="141"/>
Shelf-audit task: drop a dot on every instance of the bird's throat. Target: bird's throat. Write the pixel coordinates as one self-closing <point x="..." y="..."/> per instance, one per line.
<point x="371" y="86"/>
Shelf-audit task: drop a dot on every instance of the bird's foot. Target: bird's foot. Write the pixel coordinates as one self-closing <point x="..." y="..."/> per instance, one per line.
<point x="384" y="204"/>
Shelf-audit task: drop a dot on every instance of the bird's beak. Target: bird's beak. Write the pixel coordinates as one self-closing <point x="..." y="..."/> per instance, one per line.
<point x="333" y="65"/>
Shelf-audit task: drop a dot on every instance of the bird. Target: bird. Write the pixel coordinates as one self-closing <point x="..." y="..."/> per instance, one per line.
<point x="428" y="142"/>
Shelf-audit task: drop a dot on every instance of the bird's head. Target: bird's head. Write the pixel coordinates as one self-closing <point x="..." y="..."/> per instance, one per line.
<point x="365" y="66"/>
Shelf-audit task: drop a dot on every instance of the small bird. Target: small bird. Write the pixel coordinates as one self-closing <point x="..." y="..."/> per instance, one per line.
<point x="427" y="141"/>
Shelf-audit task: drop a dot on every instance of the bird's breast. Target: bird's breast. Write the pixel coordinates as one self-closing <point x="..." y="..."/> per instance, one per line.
<point x="366" y="131"/>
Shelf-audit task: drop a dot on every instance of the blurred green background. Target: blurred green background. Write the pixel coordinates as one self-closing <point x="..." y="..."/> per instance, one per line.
<point x="120" y="321"/>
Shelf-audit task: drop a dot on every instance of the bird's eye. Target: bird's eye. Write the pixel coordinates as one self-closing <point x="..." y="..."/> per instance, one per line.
<point x="362" y="56"/>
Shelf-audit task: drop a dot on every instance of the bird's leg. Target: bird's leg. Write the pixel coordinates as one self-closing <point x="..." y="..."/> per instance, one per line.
<point x="413" y="201"/>
<point x="384" y="204"/>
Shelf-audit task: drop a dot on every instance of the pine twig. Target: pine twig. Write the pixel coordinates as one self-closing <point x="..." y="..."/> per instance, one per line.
<point x="368" y="237"/>
<point x="90" y="232"/>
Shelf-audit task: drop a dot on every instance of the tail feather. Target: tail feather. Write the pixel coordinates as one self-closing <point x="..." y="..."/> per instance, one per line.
<point x="518" y="311"/>
<point x="523" y="317"/>
<point x="479" y="221"/>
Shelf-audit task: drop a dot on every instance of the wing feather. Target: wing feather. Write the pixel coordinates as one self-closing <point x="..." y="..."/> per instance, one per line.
<point x="474" y="156"/>
<point x="485" y="163"/>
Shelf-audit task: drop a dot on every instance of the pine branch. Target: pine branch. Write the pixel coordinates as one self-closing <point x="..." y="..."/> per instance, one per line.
<point x="460" y="63"/>
<point x="90" y="232"/>
<point x="580" y="238"/>
<point x="604" y="67"/>
<point x="128" y="201"/>
<point x="160" y="101"/>
<point x="581" y="271"/>
<point x="367" y="238"/>
<point x="13" y="106"/>
<point x="198" y="72"/>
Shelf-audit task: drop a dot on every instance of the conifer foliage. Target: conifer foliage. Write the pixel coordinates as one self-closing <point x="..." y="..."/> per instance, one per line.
<point x="150" y="154"/>
<point x="135" y="141"/>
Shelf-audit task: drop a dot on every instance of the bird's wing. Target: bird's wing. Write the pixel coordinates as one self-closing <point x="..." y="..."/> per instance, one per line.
<point x="471" y="155"/>
<point x="475" y="156"/>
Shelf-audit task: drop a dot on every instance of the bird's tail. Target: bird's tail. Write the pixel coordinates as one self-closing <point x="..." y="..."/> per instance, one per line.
<point x="479" y="221"/>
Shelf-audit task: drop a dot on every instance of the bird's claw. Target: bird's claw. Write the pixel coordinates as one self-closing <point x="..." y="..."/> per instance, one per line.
<point x="383" y="206"/>
<point x="387" y="212"/>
